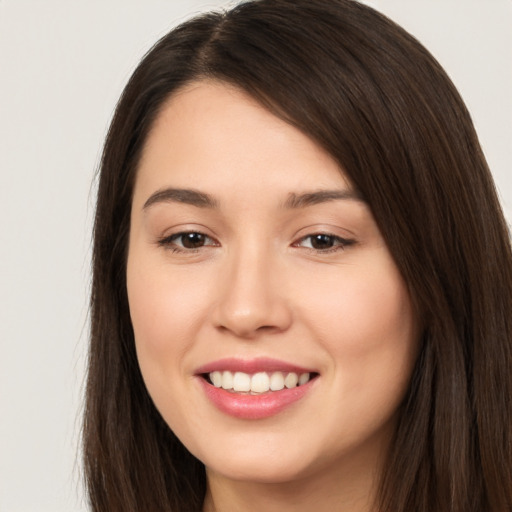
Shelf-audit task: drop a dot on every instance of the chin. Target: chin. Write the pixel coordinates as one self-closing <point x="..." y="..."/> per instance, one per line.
<point x="257" y="470"/>
<point x="266" y="461"/>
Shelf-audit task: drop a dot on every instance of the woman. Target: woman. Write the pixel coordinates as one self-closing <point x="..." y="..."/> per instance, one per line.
<point x="302" y="277"/>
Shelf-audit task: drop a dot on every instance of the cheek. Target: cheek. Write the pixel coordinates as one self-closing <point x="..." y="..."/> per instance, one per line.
<point x="165" y="308"/>
<point x="366" y="308"/>
<point x="366" y="324"/>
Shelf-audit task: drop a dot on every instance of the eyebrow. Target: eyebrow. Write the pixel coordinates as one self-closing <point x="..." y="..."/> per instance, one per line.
<point x="203" y="200"/>
<point x="181" y="195"/>
<point x="321" y="196"/>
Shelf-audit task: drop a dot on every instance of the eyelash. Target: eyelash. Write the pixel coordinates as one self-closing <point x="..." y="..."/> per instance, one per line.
<point x="169" y="243"/>
<point x="340" y="243"/>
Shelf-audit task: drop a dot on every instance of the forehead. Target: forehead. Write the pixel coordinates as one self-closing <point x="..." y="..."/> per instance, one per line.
<point x="218" y="138"/>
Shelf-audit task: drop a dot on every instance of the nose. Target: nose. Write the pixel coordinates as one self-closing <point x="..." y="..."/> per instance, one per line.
<point x="252" y="298"/>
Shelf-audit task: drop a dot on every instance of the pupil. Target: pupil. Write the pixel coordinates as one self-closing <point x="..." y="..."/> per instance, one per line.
<point x="193" y="240"/>
<point x="322" y="241"/>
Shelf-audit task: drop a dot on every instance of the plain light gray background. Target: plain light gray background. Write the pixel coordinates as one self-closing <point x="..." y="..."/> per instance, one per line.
<point x="62" y="67"/>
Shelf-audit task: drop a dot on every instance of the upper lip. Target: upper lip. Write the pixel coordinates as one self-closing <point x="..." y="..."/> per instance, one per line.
<point x="261" y="364"/>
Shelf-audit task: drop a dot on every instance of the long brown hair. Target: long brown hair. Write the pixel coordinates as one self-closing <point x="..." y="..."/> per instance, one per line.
<point x="373" y="97"/>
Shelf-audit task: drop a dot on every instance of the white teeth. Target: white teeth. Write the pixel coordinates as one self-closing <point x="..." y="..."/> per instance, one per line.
<point x="291" y="380"/>
<point x="276" y="381"/>
<point x="304" y="378"/>
<point x="261" y="382"/>
<point x="241" y="382"/>
<point x="216" y="378"/>
<point x="227" y="380"/>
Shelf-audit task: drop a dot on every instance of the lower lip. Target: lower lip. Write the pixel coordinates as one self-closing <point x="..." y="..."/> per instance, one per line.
<point x="254" y="407"/>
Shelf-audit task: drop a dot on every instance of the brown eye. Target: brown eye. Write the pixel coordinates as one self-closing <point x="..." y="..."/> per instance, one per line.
<point x="322" y="241"/>
<point x="188" y="240"/>
<point x="192" y="240"/>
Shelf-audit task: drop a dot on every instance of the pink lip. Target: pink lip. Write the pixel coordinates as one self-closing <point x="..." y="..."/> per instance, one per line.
<point x="261" y="364"/>
<point x="252" y="407"/>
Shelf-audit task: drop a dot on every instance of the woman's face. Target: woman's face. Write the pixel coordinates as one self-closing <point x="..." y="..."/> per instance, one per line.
<point x="254" y="264"/>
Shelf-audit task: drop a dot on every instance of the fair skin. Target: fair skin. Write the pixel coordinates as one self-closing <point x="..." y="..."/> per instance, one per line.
<point x="247" y="243"/>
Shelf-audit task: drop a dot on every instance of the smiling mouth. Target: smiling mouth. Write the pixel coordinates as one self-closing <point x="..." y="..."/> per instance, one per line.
<point x="257" y="383"/>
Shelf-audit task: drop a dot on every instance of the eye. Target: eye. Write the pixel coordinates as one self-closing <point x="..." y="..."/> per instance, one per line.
<point x="324" y="242"/>
<point x="187" y="240"/>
